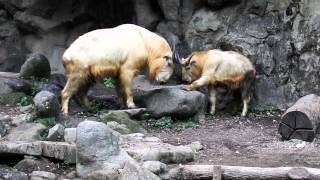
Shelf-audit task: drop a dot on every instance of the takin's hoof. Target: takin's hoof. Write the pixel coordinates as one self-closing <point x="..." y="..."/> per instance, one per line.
<point x="131" y="106"/>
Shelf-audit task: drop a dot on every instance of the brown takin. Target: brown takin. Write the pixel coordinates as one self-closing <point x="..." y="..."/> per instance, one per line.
<point x="121" y="52"/>
<point x="213" y="67"/>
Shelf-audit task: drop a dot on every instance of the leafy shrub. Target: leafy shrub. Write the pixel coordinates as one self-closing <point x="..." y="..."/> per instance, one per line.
<point x="48" y="121"/>
<point x="24" y="101"/>
<point x="109" y="82"/>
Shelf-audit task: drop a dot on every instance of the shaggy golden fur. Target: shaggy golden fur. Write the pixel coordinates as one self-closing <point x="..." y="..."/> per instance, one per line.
<point x="209" y="68"/>
<point x="121" y="52"/>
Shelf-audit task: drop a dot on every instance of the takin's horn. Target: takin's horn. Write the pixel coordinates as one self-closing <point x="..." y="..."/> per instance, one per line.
<point x="175" y="55"/>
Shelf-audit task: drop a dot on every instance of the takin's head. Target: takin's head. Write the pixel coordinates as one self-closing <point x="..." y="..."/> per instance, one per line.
<point x="191" y="68"/>
<point x="161" y="68"/>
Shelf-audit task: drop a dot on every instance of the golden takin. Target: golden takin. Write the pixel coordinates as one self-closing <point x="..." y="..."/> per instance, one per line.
<point x="213" y="67"/>
<point x="121" y="52"/>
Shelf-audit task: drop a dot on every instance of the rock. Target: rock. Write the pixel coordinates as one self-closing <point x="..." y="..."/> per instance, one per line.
<point x="132" y="112"/>
<point x="26" y="109"/>
<point x="59" y="150"/>
<point x="43" y="175"/>
<point x="95" y="144"/>
<point x="146" y="16"/>
<point x="14" y="85"/>
<point x="70" y="135"/>
<point x="46" y="104"/>
<point x="121" y="128"/>
<point x="12" y="47"/>
<point x="169" y="100"/>
<point x="5" y="122"/>
<point x="155" y="167"/>
<point x="22" y="118"/>
<point x="170" y="9"/>
<point x="121" y="118"/>
<point x="133" y="171"/>
<point x="111" y="174"/>
<point x="56" y="132"/>
<point x="36" y="66"/>
<point x="28" y="165"/>
<point x="10" y="173"/>
<point x="19" y="133"/>
<point x="151" y="149"/>
<point x="28" y="148"/>
<point x="196" y="146"/>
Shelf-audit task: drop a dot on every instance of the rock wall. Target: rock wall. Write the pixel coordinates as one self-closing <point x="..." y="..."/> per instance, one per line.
<point x="280" y="37"/>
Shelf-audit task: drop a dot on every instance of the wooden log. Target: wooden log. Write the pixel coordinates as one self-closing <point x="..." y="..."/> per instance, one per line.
<point x="243" y="173"/>
<point x="302" y="120"/>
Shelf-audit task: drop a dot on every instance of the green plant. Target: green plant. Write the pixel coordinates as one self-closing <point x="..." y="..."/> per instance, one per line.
<point x="48" y="121"/>
<point x="24" y="101"/>
<point x="163" y="122"/>
<point x="109" y="82"/>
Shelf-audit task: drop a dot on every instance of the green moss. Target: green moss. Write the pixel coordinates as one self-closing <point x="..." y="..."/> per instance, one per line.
<point x="121" y="118"/>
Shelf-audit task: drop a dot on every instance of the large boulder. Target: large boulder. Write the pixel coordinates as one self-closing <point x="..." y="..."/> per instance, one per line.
<point x="26" y="132"/>
<point x="46" y="104"/>
<point x="99" y="155"/>
<point x="122" y="118"/>
<point x="169" y="100"/>
<point x="36" y="66"/>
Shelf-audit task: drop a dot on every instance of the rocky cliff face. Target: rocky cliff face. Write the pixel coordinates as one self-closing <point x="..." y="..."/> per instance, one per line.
<point x="280" y="37"/>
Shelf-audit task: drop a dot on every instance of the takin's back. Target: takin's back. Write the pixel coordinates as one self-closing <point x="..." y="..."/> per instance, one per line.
<point x="108" y="46"/>
<point x="227" y="64"/>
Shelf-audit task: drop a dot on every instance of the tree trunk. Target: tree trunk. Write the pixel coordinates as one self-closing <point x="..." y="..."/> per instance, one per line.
<point x="215" y="172"/>
<point x="302" y="120"/>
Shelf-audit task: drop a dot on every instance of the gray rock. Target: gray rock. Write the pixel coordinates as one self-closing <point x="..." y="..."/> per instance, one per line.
<point x="36" y="66"/>
<point x="12" y="47"/>
<point x="196" y="146"/>
<point x="10" y="173"/>
<point x="70" y="135"/>
<point x="169" y="100"/>
<point x="28" y="165"/>
<point x="110" y="174"/>
<point x="121" y="128"/>
<point x="150" y="149"/>
<point x="5" y="122"/>
<point x="132" y="171"/>
<point x="132" y="112"/>
<point x="155" y="167"/>
<point x="33" y="132"/>
<point x="5" y="88"/>
<point x="56" y="132"/>
<point x="59" y="150"/>
<point x="146" y="16"/>
<point x="28" y="148"/>
<point x="43" y="175"/>
<point x="95" y="145"/>
<point x="26" y="109"/>
<point x="46" y="104"/>
<point x="121" y="118"/>
<point x="22" y="118"/>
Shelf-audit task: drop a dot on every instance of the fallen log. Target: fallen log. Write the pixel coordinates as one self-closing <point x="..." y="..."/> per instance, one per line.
<point x="302" y="120"/>
<point x="216" y="172"/>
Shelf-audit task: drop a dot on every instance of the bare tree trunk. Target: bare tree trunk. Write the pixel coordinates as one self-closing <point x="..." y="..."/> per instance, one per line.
<point x="301" y="121"/>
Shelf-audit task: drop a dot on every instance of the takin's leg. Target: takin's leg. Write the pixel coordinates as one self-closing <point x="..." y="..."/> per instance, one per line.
<point x="203" y="81"/>
<point x="82" y="95"/>
<point x="121" y="98"/>
<point x="125" y="80"/>
<point x="75" y="81"/>
<point x="245" y="91"/>
<point x="213" y="95"/>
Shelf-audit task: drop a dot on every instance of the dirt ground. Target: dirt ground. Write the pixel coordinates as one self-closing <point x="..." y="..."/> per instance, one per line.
<point x="232" y="140"/>
<point x="252" y="141"/>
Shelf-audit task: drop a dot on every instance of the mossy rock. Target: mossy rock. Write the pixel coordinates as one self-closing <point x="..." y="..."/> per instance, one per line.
<point x="12" y="98"/>
<point x="121" y="118"/>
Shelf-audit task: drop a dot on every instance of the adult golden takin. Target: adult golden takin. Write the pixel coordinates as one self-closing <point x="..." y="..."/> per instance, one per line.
<point x="213" y="67"/>
<point x="121" y="52"/>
